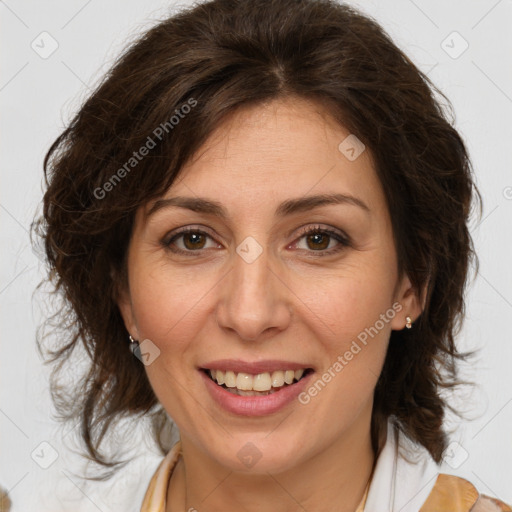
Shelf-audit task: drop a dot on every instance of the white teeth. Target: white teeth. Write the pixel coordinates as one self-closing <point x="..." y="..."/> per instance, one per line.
<point x="244" y="381"/>
<point x="289" y="375"/>
<point x="263" y="382"/>
<point x="277" y="379"/>
<point x="230" y="379"/>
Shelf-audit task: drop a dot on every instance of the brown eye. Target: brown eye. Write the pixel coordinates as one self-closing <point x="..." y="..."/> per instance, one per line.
<point x="193" y="240"/>
<point x="322" y="241"/>
<point x="188" y="240"/>
<point x="318" y="241"/>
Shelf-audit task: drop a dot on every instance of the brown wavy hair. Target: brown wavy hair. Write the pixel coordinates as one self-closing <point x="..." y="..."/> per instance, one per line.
<point x="224" y="55"/>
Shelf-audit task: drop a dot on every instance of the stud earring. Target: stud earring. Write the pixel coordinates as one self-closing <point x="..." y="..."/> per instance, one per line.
<point x="133" y="344"/>
<point x="408" y="322"/>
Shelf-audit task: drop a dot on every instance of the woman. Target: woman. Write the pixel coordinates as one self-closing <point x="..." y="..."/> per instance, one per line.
<point x="266" y="200"/>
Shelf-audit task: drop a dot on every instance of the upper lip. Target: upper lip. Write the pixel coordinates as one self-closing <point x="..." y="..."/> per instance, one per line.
<point x="255" y="368"/>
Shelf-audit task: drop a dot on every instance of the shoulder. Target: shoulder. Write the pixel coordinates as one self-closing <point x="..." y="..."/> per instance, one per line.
<point x="455" y="494"/>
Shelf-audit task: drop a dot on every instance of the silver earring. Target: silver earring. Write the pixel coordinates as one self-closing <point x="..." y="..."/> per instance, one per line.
<point x="408" y="322"/>
<point x="133" y="344"/>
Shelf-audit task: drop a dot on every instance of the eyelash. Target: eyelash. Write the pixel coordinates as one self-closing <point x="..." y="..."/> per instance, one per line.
<point x="343" y="240"/>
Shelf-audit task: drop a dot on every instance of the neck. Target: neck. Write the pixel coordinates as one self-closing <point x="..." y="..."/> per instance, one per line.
<point x="337" y="475"/>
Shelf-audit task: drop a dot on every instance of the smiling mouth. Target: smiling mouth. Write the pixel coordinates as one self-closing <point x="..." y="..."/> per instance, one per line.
<point x="245" y="384"/>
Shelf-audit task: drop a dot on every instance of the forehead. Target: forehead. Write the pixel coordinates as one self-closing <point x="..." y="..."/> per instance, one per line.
<point x="287" y="147"/>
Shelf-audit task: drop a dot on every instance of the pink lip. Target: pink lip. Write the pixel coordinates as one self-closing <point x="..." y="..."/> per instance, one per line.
<point x="268" y="365"/>
<point x="255" y="405"/>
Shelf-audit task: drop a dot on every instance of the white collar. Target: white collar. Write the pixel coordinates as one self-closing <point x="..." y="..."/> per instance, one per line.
<point x="404" y="475"/>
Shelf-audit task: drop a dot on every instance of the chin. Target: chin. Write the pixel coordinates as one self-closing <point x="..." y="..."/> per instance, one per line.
<point x="253" y="454"/>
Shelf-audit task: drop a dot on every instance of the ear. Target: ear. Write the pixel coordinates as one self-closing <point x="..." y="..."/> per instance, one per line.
<point x="412" y="301"/>
<point x="125" y="306"/>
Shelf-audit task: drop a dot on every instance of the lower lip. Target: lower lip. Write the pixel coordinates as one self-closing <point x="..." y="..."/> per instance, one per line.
<point x="255" y="405"/>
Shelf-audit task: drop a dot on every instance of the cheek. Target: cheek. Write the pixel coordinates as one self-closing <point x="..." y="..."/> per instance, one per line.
<point x="349" y="313"/>
<point x="350" y="317"/>
<point x="170" y="309"/>
<point x="167" y="304"/>
<point x="343" y="304"/>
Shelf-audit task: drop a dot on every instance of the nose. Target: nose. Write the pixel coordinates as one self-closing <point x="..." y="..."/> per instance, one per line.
<point x="254" y="301"/>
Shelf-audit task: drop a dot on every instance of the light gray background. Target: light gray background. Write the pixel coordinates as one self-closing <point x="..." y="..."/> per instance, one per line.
<point x="38" y="95"/>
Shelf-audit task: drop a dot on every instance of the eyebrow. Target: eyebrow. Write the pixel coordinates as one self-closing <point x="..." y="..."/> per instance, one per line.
<point x="286" y="208"/>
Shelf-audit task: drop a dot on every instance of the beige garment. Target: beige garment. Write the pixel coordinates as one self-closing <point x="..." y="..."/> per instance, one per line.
<point x="458" y="495"/>
<point x="5" y="502"/>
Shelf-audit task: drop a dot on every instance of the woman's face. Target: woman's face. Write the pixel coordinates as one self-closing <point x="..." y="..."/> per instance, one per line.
<point x="250" y="293"/>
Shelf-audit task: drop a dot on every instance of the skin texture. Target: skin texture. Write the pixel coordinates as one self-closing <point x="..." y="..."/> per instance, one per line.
<point x="290" y="303"/>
